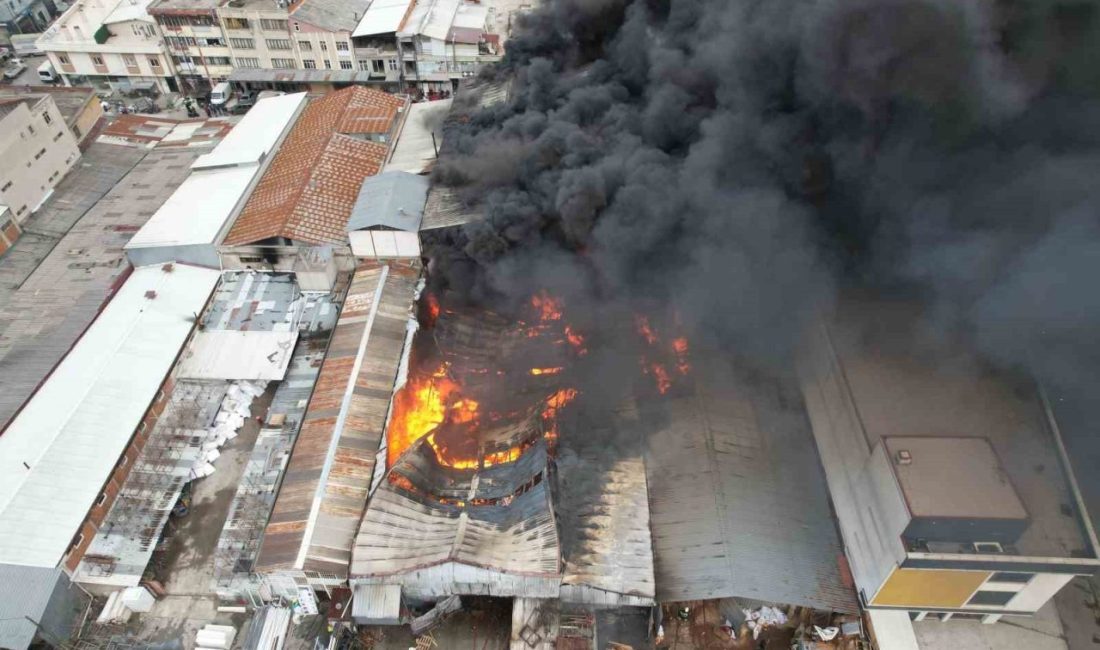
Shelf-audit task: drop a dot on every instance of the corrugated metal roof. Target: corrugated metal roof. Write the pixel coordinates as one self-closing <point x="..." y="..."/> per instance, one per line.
<point x="377" y="604"/>
<point x="324" y="491"/>
<point x="58" y="452"/>
<point x="415" y="148"/>
<point x="445" y="209"/>
<point x="331" y="15"/>
<point x="237" y="355"/>
<point x="256" y="134"/>
<point x="27" y="592"/>
<point x="392" y="200"/>
<point x="738" y="499"/>
<point x="382" y="17"/>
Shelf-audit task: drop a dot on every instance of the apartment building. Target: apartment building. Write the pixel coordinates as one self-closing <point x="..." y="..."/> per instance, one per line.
<point x="26" y="16"/>
<point x="109" y="44"/>
<point x="429" y="45"/>
<point x="322" y="32"/>
<point x="38" y="149"/>
<point x="955" y="497"/>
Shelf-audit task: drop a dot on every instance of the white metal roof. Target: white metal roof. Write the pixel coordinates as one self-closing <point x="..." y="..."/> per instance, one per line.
<point x="56" y="455"/>
<point x="226" y="354"/>
<point x="432" y="18"/>
<point x="256" y="134"/>
<point x="471" y="16"/>
<point x="382" y="17"/>
<point x="197" y="210"/>
<point x="127" y="10"/>
<point x="414" y="151"/>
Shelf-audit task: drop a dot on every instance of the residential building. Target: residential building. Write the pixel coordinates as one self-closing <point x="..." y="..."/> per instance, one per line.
<point x="111" y="45"/>
<point x="79" y="106"/>
<point x="9" y="229"/>
<point x="427" y="44"/>
<point x="954" y="495"/>
<point x="38" y="150"/>
<point x="322" y="32"/>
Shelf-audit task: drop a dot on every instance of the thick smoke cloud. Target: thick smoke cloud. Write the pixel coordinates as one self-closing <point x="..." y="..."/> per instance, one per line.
<point x="742" y="162"/>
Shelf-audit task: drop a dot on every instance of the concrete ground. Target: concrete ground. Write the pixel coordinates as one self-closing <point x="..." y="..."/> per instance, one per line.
<point x="186" y="568"/>
<point x="1079" y="611"/>
<point x="486" y="625"/>
<point x="30" y="75"/>
<point x="1042" y="632"/>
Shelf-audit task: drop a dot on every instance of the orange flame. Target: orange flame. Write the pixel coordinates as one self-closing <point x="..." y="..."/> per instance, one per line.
<point x="545" y="371"/>
<point x="418" y="408"/>
<point x="641" y="323"/>
<point x="549" y="307"/>
<point x="576" y="340"/>
<point x="660" y="375"/>
<point x="680" y="347"/>
<point x="433" y="308"/>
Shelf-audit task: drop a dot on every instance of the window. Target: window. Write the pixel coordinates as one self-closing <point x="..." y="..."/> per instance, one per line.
<point x="305" y="46"/>
<point x="997" y="598"/>
<point x="309" y="64"/>
<point x="393" y="65"/>
<point x="328" y="65"/>
<point x="341" y="46"/>
<point x="211" y="42"/>
<point x="129" y="60"/>
<point x="273" y="25"/>
<point x="364" y="65"/>
<point x="324" y="46"/>
<point x="218" y="60"/>
<point x="179" y="42"/>
<point x="6" y="186"/>
<point x="248" y="62"/>
<point x="345" y="65"/>
<point x="30" y="129"/>
<point x="57" y="137"/>
<point x="282" y="63"/>
<point x="46" y="116"/>
<point x="379" y="65"/>
<point x="97" y="60"/>
<point x="278" y="44"/>
<point x="101" y="499"/>
<point x="297" y="27"/>
<point x="77" y="541"/>
<point x="243" y="43"/>
<point x="154" y="62"/>
<point x="63" y="59"/>
<point x="41" y="153"/>
<point x="236" y="23"/>
<point x="1008" y="576"/>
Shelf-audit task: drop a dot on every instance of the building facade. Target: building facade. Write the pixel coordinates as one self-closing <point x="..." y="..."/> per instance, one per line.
<point x="38" y="150"/>
<point x="111" y="45"/>
<point x="26" y="16"/>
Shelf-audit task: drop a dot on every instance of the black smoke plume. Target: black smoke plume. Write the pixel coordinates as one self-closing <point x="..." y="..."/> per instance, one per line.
<point x="741" y="162"/>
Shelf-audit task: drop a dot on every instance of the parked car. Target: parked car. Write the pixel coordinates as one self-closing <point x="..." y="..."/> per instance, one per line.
<point x="14" y="69"/>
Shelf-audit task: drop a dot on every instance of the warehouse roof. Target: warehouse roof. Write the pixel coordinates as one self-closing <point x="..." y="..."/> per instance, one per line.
<point x="58" y="452"/>
<point x="415" y="148"/>
<point x="739" y="504"/>
<point x="393" y="200"/>
<point x="36" y="587"/>
<point x="309" y="189"/>
<point x="321" y="499"/>
<point x="256" y="134"/>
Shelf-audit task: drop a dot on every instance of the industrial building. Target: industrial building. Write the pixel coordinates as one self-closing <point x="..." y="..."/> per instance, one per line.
<point x="955" y="497"/>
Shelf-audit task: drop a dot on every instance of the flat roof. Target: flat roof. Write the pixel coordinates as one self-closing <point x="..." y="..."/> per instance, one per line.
<point x="382" y="17"/>
<point x="70" y="101"/>
<point x="58" y="453"/>
<point x="256" y="134"/>
<point x="903" y="383"/>
<point x="196" y="212"/>
<point x="127" y="10"/>
<point x="238" y="355"/>
<point x="415" y="150"/>
<point x="953" y="477"/>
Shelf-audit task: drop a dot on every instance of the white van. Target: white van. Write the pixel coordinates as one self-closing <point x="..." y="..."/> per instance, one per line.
<point x="47" y="73"/>
<point x="221" y="94"/>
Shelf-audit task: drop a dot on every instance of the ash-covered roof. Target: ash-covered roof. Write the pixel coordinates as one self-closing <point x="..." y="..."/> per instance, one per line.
<point x="308" y="191"/>
<point x="738" y="500"/>
<point x="393" y="200"/>
<point x="331" y="15"/>
<point x="321" y="500"/>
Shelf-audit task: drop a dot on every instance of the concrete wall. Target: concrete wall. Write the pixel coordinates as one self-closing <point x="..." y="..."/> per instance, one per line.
<point x="198" y="254"/>
<point x="868" y="503"/>
<point x="384" y="244"/>
<point x="38" y="150"/>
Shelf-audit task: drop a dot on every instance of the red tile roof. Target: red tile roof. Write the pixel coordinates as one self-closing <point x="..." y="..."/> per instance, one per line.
<point x="308" y="192"/>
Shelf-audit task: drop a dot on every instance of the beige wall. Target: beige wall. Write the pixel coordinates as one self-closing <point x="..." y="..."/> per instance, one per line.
<point x="87" y="119"/>
<point x="37" y="149"/>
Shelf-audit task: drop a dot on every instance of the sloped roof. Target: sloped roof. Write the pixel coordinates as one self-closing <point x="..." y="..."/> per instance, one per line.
<point x="383" y="17"/>
<point x="391" y="200"/>
<point x="317" y="511"/>
<point x="308" y="192"/>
